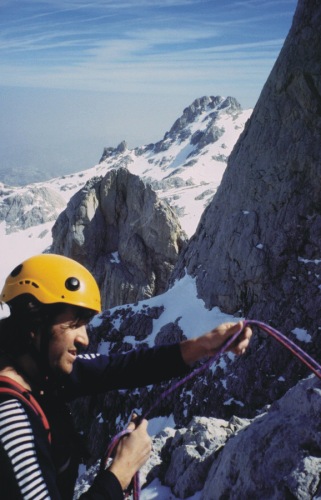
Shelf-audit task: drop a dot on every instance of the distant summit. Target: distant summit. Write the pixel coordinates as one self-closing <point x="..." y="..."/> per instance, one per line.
<point x="205" y="105"/>
<point x="184" y="168"/>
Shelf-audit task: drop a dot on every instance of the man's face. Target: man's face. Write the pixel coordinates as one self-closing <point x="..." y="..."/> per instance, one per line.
<point x="67" y="335"/>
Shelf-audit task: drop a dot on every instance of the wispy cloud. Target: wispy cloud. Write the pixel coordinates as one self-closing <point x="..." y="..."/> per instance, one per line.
<point x="131" y="45"/>
<point x="77" y="75"/>
<point x="115" y="67"/>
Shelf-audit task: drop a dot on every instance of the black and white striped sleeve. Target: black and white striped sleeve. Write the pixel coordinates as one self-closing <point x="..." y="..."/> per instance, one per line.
<point x="19" y="455"/>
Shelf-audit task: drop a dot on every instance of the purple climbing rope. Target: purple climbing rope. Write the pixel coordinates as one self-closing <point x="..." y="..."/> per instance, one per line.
<point x="296" y="351"/>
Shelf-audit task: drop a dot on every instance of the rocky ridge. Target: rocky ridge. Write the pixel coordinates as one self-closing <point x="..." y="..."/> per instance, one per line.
<point x="256" y="252"/>
<point x="262" y="231"/>
<point x="268" y="195"/>
<point x="184" y="168"/>
<point x="128" y="238"/>
<point x="272" y="456"/>
<point x="28" y="207"/>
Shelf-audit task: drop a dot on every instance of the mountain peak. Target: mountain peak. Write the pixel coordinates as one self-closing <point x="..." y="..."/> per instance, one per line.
<point x="205" y="105"/>
<point x="110" y="151"/>
<point x="184" y="168"/>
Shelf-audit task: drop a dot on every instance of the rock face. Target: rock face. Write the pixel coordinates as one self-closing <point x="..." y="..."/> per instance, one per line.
<point x="277" y="456"/>
<point x="126" y="236"/>
<point x="258" y="244"/>
<point x="110" y="151"/>
<point x="29" y="207"/>
<point x="192" y="452"/>
<point x="274" y="456"/>
<point x="180" y="130"/>
<point x="187" y="165"/>
<point x="257" y="252"/>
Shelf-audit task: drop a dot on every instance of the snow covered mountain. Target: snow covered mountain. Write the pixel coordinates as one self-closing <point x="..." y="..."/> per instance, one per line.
<point x="184" y="168"/>
<point x="243" y="428"/>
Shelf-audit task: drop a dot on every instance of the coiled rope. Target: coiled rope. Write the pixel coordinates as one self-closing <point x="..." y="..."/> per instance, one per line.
<point x="291" y="346"/>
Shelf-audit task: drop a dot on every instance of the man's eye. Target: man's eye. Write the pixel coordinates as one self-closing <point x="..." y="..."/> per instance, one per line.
<point x="69" y="326"/>
<point x="72" y="326"/>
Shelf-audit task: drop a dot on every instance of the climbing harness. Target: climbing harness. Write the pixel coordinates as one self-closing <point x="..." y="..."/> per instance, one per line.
<point x="296" y="351"/>
<point x="9" y="386"/>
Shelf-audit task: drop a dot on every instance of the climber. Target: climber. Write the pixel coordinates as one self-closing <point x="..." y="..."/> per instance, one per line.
<point x="51" y="299"/>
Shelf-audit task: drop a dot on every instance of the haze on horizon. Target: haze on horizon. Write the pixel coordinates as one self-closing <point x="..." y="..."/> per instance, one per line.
<point x="80" y="75"/>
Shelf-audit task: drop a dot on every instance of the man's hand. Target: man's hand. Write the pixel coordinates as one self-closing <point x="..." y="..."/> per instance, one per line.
<point x="131" y="453"/>
<point x="207" y="345"/>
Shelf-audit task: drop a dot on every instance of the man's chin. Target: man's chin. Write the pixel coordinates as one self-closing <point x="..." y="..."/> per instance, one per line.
<point x="63" y="369"/>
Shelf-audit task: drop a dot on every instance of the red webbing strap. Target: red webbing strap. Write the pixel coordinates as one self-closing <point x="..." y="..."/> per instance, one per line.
<point x="10" y="386"/>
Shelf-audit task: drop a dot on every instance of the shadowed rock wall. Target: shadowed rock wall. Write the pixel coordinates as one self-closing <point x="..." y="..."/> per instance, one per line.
<point x="257" y="249"/>
<point x="121" y="231"/>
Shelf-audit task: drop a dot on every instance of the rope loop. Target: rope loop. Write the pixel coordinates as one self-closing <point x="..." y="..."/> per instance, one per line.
<point x="285" y="341"/>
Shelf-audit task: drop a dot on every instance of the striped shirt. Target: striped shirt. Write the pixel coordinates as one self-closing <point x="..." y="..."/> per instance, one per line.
<point x="17" y="439"/>
<point x="33" y="469"/>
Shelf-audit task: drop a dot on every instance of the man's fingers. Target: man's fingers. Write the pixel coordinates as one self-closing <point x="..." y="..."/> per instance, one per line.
<point x="131" y="426"/>
<point x="135" y="421"/>
<point x="242" y="342"/>
<point x="132" y="423"/>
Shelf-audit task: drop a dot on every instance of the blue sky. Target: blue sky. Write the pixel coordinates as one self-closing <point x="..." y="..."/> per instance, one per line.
<point x="79" y="75"/>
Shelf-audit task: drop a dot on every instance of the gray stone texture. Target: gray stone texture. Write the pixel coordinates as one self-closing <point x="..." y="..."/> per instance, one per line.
<point x="277" y="456"/>
<point x="128" y="238"/>
<point x="257" y="248"/>
<point x="29" y="207"/>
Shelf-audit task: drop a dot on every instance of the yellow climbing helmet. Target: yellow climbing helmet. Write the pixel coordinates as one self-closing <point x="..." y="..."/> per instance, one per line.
<point x="53" y="278"/>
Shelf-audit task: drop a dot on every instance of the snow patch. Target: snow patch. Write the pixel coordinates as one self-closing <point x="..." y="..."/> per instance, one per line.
<point x="302" y="335"/>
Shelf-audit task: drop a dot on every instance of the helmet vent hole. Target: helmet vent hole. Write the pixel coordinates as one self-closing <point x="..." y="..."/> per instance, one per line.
<point x="16" y="271"/>
<point x="72" y="284"/>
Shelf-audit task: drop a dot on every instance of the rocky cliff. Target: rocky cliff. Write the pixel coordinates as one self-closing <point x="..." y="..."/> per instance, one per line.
<point x="248" y="428"/>
<point x="186" y="166"/>
<point x="29" y="207"/>
<point x="274" y="456"/>
<point x="256" y="252"/>
<point x="257" y="248"/>
<point x="121" y="231"/>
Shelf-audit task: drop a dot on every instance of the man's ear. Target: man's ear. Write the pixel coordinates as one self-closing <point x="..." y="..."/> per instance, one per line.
<point x="35" y="338"/>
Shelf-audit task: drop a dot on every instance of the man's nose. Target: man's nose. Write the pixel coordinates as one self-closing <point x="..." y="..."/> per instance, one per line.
<point x="82" y="336"/>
